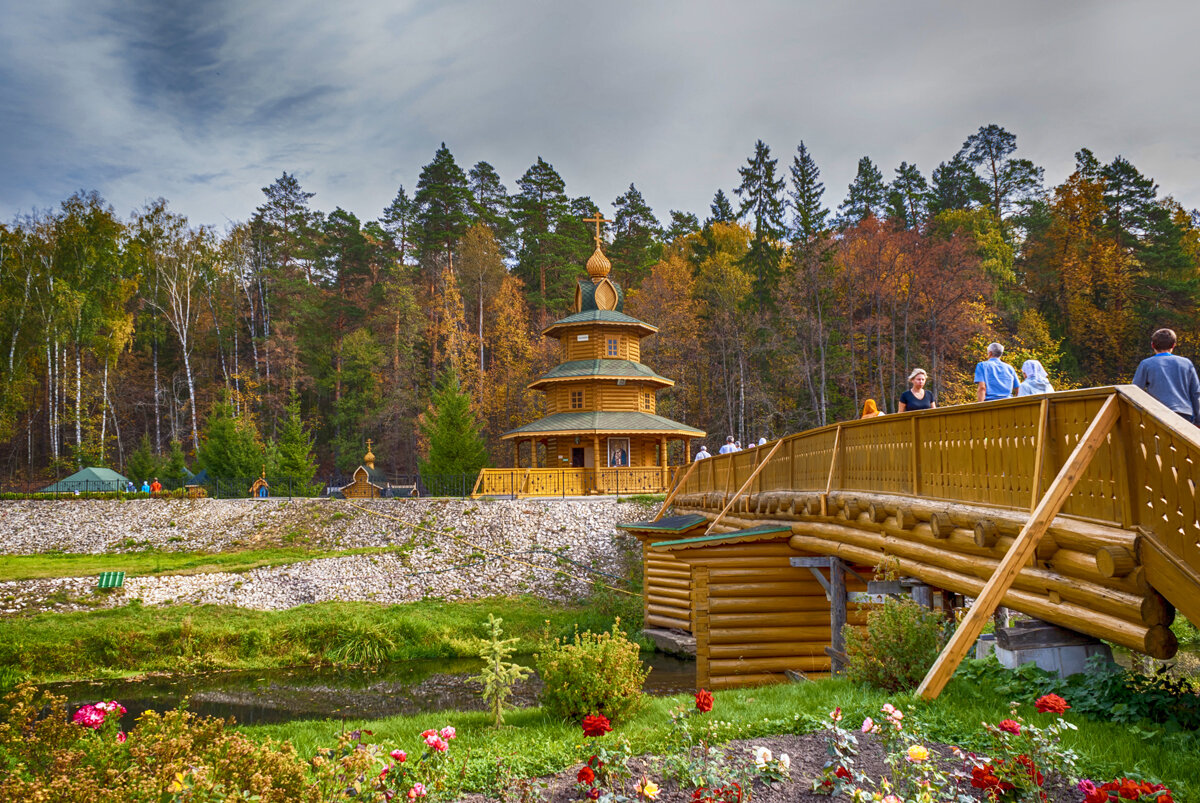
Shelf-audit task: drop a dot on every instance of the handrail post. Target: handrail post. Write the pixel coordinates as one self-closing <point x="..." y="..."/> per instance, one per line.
<point x="833" y="461"/>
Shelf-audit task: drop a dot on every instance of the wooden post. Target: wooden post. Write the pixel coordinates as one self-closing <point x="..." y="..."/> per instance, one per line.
<point x="745" y="485"/>
<point x="1019" y="553"/>
<point x="700" y="625"/>
<point x="1040" y="458"/>
<point x="837" y="437"/>
<point x="516" y="452"/>
<point x="663" y="443"/>
<point x="682" y="479"/>
<point x="915" y="459"/>
<point x="837" y="613"/>
<point x="596" y="464"/>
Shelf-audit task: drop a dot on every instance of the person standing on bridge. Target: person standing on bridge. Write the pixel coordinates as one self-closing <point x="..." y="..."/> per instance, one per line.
<point x="870" y="410"/>
<point x="703" y="453"/>
<point x="916" y="397"/>
<point x="1169" y="378"/>
<point x="729" y="446"/>
<point x="994" y="378"/>
<point x="1036" y="379"/>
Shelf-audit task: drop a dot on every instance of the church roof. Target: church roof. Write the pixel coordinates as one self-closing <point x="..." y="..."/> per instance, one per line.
<point x="599" y="422"/>
<point x="600" y="316"/>
<point x="620" y="369"/>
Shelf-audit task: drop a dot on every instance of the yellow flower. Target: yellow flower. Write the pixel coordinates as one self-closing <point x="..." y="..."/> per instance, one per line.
<point x="647" y="788"/>
<point x="917" y="753"/>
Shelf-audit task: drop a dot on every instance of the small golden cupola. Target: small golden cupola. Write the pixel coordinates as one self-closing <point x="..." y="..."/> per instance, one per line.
<point x="605" y="294"/>
<point x="369" y="457"/>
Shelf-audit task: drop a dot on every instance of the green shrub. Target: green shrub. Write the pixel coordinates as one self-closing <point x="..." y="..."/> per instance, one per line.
<point x="593" y="673"/>
<point x="900" y="643"/>
<point x="362" y="644"/>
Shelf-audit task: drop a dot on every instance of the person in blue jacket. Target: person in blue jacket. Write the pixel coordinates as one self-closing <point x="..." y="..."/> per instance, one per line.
<point x="1169" y="378"/>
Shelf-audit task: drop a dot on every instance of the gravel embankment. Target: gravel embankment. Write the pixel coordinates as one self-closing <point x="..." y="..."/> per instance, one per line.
<point x="457" y="549"/>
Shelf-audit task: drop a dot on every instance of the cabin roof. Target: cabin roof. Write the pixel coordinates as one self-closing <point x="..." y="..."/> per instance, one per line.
<point x="599" y="316"/>
<point x="604" y="422"/>
<point x="670" y="524"/>
<point x="619" y="369"/>
<point x="767" y="532"/>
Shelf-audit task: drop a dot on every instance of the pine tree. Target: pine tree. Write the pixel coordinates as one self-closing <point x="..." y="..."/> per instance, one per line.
<point x="173" y="471"/>
<point x="490" y="204"/>
<point x="546" y="260"/>
<point x="399" y="221"/>
<point x="456" y="446"/>
<point x="636" y="232"/>
<point x="720" y="211"/>
<point x="443" y="209"/>
<point x="1009" y="181"/>
<point x="142" y="463"/>
<point x="761" y="195"/>
<point x="682" y="224"/>
<point x="866" y="195"/>
<point x="294" y="463"/>
<point x="805" y="196"/>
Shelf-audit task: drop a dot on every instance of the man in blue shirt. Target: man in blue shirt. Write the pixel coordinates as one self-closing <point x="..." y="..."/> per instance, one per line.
<point x="1170" y="379"/>
<point x="994" y="378"/>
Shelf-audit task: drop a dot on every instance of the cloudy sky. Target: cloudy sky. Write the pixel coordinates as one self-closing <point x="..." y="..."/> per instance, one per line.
<point x="204" y="102"/>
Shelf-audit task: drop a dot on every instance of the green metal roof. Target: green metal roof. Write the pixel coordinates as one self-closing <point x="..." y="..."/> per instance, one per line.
<point x="710" y="540"/>
<point x="587" y="295"/>
<point x="614" y="422"/>
<point x="671" y="524"/>
<point x="95" y="478"/>
<point x="618" y="368"/>
<point x="599" y="316"/>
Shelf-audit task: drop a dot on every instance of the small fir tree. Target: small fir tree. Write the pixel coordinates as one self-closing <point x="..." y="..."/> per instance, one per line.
<point x="142" y="463"/>
<point x="499" y="675"/>
<point x="230" y="449"/>
<point x="173" y="470"/>
<point x="294" y="462"/>
<point x="452" y="430"/>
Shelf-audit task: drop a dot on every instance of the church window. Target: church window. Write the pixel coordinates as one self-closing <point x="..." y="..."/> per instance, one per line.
<point x="577" y="400"/>
<point x="612" y="347"/>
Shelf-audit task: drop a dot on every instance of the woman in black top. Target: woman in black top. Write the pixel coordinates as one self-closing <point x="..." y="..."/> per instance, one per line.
<point x="916" y="397"/>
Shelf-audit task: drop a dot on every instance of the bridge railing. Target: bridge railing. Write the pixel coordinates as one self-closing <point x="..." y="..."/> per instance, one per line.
<point x="569" y="481"/>
<point x="1005" y="454"/>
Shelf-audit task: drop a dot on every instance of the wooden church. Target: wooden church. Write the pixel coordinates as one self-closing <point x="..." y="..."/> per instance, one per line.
<point x="602" y="433"/>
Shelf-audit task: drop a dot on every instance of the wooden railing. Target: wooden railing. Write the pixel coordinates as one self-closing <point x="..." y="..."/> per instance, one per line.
<point x="1004" y="455"/>
<point x="569" y="481"/>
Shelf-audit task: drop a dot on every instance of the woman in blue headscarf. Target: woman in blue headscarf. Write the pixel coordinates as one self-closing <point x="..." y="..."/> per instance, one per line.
<point x="1036" y="379"/>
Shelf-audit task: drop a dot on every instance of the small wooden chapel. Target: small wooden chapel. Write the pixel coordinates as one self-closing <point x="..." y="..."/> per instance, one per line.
<point x="601" y="399"/>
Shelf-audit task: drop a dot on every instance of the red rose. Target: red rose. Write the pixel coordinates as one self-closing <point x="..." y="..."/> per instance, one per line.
<point x="596" y="725"/>
<point x="586" y="776"/>
<point x="1051" y="704"/>
<point x="1010" y="726"/>
<point x="593" y="794"/>
<point x="842" y="772"/>
<point x="1030" y="769"/>
<point x="704" y="701"/>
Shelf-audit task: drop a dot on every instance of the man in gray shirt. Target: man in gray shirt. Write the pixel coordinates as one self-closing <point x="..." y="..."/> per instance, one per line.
<point x="1170" y="379"/>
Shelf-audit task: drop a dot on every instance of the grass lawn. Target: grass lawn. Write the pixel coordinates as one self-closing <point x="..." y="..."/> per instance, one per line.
<point x="153" y="561"/>
<point x="532" y="744"/>
<point x="134" y="639"/>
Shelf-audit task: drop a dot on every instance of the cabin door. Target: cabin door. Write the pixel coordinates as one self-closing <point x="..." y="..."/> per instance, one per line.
<point x="577" y="459"/>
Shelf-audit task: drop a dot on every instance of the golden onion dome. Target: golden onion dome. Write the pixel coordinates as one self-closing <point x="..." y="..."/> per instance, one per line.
<point x="598" y="265"/>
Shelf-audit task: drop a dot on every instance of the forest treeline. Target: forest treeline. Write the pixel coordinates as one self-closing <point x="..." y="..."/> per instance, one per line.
<point x="777" y="311"/>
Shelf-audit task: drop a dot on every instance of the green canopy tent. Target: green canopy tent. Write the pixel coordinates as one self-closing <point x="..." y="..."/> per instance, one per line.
<point x="89" y="480"/>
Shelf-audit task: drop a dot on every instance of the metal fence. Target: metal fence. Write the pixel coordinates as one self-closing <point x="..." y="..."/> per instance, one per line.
<point x="400" y="486"/>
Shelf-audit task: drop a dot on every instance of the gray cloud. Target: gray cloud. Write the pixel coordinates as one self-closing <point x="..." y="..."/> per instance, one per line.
<point x="206" y="102"/>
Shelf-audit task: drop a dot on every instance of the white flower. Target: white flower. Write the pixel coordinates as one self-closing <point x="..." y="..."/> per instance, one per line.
<point x="785" y="763"/>
<point x="762" y="757"/>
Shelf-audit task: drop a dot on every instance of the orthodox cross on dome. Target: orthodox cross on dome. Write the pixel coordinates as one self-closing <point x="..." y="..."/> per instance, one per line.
<point x="369" y="442"/>
<point x="598" y="219"/>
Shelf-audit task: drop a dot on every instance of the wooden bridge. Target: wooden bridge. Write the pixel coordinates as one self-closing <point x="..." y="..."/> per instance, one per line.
<point x="1076" y="508"/>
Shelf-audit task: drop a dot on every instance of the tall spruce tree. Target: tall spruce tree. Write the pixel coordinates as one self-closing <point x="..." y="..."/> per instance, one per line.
<point x="230" y="449"/>
<point x="955" y="186"/>
<point x="720" y="210"/>
<point x="490" y="204"/>
<point x="543" y="214"/>
<point x="866" y="195"/>
<point x="761" y="194"/>
<point x="399" y="221"/>
<point x="808" y="213"/>
<point x="295" y="464"/>
<point x="456" y="446"/>
<point x="908" y="197"/>
<point x="682" y="224"/>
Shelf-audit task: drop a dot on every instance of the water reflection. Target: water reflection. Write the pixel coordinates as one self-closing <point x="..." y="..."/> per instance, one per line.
<point x="283" y="695"/>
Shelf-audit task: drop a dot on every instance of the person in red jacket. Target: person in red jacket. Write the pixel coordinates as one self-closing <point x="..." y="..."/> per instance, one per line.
<point x="155" y="487"/>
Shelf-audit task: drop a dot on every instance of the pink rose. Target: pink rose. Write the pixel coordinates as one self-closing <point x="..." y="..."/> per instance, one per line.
<point x="432" y="738"/>
<point x="1010" y="726"/>
<point x="867" y="725"/>
<point x="428" y="733"/>
<point x="399" y="756"/>
<point x="417" y="791"/>
<point x="121" y="737"/>
<point x="440" y="745"/>
<point x="836" y="714"/>
<point x="448" y="733"/>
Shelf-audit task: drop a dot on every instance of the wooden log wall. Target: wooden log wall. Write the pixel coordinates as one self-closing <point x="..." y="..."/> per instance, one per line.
<point x="668" y="589"/>
<point x="1083" y="577"/>
<point x="754" y="616"/>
